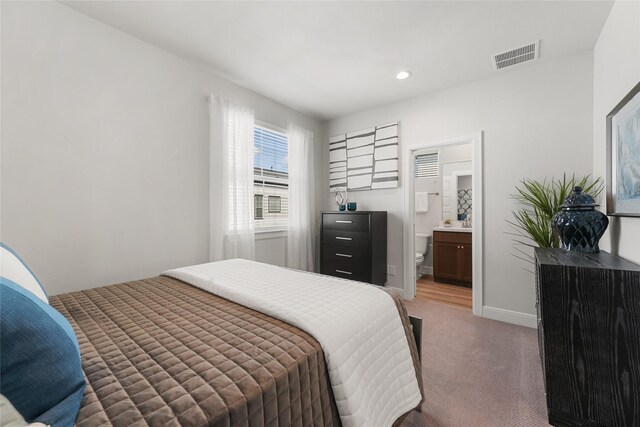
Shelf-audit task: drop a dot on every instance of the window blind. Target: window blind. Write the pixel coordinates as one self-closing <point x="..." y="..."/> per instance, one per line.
<point x="270" y="152"/>
<point x="271" y="178"/>
<point x="427" y="165"/>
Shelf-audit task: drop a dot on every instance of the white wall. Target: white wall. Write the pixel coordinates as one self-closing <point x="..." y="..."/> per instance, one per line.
<point x="271" y="247"/>
<point x="465" y="182"/>
<point x="104" y="150"/>
<point x="616" y="70"/>
<point x="537" y="122"/>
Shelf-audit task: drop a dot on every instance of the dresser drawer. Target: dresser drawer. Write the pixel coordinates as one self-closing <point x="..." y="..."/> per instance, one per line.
<point x="346" y="268"/>
<point x="345" y="255"/>
<point x="452" y="237"/>
<point x="351" y="222"/>
<point x="358" y="276"/>
<point x="357" y="239"/>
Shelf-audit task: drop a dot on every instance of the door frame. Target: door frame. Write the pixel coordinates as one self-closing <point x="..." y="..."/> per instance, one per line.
<point x="476" y="141"/>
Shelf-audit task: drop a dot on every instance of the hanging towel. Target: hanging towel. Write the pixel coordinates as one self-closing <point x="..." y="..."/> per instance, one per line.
<point x="422" y="202"/>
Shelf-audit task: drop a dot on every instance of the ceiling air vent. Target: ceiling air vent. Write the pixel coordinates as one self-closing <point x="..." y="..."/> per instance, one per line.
<point x="519" y="55"/>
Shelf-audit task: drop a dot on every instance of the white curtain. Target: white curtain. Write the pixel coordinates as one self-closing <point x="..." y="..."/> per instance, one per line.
<point x="301" y="233"/>
<point x="230" y="180"/>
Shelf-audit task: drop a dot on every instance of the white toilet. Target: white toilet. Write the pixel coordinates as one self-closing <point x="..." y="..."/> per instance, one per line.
<point x="422" y="246"/>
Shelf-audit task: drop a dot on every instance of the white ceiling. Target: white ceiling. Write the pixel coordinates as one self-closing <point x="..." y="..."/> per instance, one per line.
<point x="328" y="59"/>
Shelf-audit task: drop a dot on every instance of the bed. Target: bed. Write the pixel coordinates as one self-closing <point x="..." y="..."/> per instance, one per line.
<point x="163" y="352"/>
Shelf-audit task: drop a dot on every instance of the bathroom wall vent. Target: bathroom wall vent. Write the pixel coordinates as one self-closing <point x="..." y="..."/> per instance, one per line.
<point x="512" y="57"/>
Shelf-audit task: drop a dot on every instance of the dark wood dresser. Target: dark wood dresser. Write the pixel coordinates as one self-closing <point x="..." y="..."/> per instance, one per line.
<point x="589" y="335"/>
<point x="354" y="246"/>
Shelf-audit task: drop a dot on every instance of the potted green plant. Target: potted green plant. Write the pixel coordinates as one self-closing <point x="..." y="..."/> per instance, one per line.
<point x="539" y="201"/>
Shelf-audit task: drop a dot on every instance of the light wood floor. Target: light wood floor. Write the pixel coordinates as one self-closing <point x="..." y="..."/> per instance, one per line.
<point x="427" y="289"/>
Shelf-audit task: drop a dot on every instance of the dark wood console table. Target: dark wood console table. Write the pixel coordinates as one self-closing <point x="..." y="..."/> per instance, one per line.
<point x="589" y="335"/>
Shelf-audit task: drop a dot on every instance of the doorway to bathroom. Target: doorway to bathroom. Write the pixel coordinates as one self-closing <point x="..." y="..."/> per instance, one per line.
<point x="443" y="221"/>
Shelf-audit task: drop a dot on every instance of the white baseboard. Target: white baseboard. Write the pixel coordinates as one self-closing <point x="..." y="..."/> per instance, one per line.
<point x="426" y="270"/>
<point x="508" y="316"/>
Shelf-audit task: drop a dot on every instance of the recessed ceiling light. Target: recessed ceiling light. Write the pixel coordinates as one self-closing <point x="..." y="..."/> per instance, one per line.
<point x="403" y="75"/>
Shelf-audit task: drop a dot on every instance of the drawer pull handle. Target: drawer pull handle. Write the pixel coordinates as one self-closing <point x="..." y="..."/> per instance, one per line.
<point x="341" y="221"/>
<point x="344" y="255"/>
<point x="344" y="272"/>
<point x="343" y="238"/>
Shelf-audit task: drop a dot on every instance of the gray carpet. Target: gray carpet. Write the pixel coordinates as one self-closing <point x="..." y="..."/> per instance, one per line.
<point x="477" y="372"/>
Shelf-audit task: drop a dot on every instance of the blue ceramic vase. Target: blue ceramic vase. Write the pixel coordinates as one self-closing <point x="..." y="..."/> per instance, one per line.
<point x="579" y="225"/>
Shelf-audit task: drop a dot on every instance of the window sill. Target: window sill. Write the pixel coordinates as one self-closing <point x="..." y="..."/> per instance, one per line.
<point x="270" y="233"/>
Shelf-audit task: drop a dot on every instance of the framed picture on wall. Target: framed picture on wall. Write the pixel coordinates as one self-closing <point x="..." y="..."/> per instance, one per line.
<point x="623" y="156"/>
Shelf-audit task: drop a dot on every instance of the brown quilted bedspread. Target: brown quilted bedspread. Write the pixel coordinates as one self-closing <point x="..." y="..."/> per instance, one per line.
<point x="160" y="352"/>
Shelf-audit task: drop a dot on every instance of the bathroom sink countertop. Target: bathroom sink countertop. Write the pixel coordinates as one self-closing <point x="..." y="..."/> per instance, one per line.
<point x="454" y="229"/>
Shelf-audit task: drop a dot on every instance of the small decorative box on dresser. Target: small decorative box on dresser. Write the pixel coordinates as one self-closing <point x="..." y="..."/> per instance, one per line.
<point x="354" y="246"/>
<point x="589" y="335"/>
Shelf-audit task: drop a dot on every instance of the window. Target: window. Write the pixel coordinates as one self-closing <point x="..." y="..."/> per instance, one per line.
<point x="427" y="165"/>
<point x="257" y="203"/>
<point x="275" y="204"/>
<point x="271" y="178"/>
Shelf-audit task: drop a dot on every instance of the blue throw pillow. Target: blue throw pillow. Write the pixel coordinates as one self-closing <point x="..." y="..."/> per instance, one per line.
<point x="40" y="368"/>
<point x="12" y="267"/>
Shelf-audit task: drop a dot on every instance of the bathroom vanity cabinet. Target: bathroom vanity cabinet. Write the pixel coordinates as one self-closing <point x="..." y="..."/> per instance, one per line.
<point x="452" y="257"/>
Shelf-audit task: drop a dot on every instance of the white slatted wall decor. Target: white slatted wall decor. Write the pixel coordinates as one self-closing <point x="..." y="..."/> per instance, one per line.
<point x="365" y="159"/>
